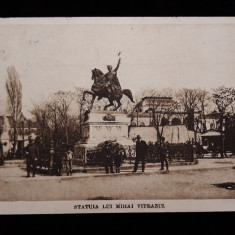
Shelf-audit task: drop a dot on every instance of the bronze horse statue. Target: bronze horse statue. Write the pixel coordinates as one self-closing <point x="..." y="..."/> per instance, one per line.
<point x="103" y="89"/>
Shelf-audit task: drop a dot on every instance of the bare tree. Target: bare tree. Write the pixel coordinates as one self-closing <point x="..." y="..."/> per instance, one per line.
<point x="204" y="104"/>
<point x="160" y="107"/>
<point x="194" y="101"/>
<point x="63" y="100"/>
<point x="52" y="108"/>
<point x="41" y="115"/>
<point x="56" y="121"/>
<point x="161" y="112"/>
<point x="188" y="98"/>
<point x="14" y="91"/>
<point x="81" y="106"/>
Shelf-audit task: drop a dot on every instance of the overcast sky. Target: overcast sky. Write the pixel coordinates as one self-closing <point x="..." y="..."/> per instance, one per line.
<point x="52" y="57"/>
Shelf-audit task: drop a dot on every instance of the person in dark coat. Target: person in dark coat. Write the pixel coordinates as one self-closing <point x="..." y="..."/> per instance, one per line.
<point x="1" y="153"/>
<point x="141" y="151"/>
<point x="31" y="157"/>
<point x="107" y="157"/>
<point x="59" y="157"/>
<point x="38" y="144"/>
<point x="119" y="155"/>
<point x="163" y="157"/>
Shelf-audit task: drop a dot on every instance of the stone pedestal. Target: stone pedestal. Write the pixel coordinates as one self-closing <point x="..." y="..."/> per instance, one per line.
<point x="106" y="125"/>
<point x="99" y="127"/>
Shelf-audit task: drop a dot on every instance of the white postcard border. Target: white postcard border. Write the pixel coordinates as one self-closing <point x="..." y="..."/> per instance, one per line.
<point x="116" y="206"/>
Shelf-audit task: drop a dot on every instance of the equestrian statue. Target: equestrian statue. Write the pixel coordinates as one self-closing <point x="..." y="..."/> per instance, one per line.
<point x="107" y="86"/>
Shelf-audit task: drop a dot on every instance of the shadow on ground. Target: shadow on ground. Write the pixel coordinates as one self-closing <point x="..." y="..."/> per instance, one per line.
<point x="224" y="162"/>
<point x="228" y="185"/>
<point x="101" y="198"/>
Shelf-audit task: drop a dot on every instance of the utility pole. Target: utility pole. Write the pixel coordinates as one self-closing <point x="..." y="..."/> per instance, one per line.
<point x="22" y="139"/>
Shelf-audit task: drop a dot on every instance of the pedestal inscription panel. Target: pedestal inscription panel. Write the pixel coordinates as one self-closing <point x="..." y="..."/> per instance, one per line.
<point x="105" y="125"/>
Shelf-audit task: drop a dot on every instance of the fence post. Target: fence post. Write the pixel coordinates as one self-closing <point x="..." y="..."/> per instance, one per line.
<point x="194" y="152"/>
<point x="84" y="161"/>
<point x="51" y="161"/>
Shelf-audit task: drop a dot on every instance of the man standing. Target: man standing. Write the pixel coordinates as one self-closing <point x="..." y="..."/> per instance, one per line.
<point x="141" y="150"/>
<point x="119" y="155"/>
<point x="69" y="163"/>
<point x="1" y="153"/>
<point x="60" y="155"/>
<point x="108" y="157"/>
<point x="31" y="157"/>
<point x="163" y="158"/>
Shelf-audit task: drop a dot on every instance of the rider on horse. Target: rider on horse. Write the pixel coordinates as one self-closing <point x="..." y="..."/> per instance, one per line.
<point x="111" y="79"/>
<point x="107" y="86"/>
<point x="111" y="76"/>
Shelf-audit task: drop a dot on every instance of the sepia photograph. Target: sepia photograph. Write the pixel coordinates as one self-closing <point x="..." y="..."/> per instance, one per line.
<point x="108" y="115"/>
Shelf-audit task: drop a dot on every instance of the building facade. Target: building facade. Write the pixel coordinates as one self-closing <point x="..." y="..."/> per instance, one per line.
<point x="25" y="129"/>
<point x="160" y="112"/>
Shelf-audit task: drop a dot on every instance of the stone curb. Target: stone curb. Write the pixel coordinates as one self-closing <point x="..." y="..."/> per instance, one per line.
<point x="89" y="175"/>
<point x="130" y="167"/>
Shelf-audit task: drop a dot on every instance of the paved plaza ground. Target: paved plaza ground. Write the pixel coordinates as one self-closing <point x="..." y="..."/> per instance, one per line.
<point x="208" y="179"/>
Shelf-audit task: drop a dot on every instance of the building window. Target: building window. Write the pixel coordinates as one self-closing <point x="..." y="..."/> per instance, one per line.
<point x="133" y="124"/>
<point x="164" y="121"/>
<point x="186" y="121"/>
<point x="175" y="121"/>
<point x="1" y="120"/>
<point x="212" y="126"/>
<point x="150" y="110"/>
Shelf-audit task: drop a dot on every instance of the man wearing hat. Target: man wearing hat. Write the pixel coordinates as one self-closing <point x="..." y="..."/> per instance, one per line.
<point x="108" y="157"/>
<point x="141" y="150"/>
<point x="31" y="155"/>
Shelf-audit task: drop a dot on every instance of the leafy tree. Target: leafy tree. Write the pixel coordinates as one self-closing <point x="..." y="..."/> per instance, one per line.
<point x="14" y="92"/>
<point x="223" y="98"/>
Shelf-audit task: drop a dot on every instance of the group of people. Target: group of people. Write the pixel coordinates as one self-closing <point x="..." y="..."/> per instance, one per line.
<point x="32" y="155"/>
<point x="215" y="149"/>
<point x="63" y="158"/>
<point x="141" y="153"/>
<point x="113" y="154"/>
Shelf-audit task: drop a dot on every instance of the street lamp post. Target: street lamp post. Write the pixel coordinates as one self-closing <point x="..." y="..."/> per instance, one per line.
<point x="22" y="138"/>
